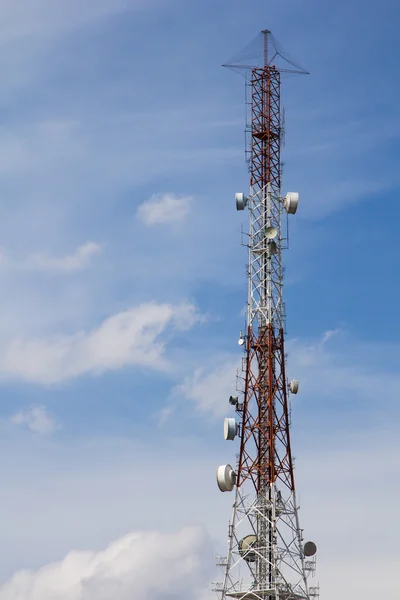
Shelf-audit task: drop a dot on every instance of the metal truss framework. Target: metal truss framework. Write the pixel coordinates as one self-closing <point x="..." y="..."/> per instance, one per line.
<point x="274" y="565"/>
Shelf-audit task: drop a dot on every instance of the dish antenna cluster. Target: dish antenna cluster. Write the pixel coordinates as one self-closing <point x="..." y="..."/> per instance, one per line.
<point x="268" y="558"/>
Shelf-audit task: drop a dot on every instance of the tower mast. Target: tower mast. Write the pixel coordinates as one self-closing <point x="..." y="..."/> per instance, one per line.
<point x="267" y="559"/>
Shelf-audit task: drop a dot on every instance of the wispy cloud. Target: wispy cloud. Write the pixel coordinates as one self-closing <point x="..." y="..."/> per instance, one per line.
<point x="78" y="260"/>
<point x="132" y="337"/>
<point x="347" y="368"/>
<point x="164" y="208"/>
<point x="208" y="389"/>
<point x="331" y="369"/>
<point x="163" y="415"/>
<point x="32" y="32"/>
<point x="72" y="262"/>
<point x="51" y="17"/>
<point x="37" y="419"/>
<point x="340" y="153"/>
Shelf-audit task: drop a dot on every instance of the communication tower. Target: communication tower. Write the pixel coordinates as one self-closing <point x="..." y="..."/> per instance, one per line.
<point x="267" y="556"/>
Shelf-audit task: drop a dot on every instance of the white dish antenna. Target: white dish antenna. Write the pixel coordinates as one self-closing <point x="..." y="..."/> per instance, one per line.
<point x="271" y="233"/>
<point x="226" y="478"/>
<point x="241" y="339"/>
<point x="309" y="549"/>
<point x="291" y="202"/>
<point x="294" y="386"/>
<point x="230" y="428"/>
<point x="241" y="201"/>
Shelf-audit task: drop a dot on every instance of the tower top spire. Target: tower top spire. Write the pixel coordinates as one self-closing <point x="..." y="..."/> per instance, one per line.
<point x="263" y="51"/>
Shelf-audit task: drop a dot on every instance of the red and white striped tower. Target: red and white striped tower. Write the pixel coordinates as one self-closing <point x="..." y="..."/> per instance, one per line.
<point x="267" y="557"/>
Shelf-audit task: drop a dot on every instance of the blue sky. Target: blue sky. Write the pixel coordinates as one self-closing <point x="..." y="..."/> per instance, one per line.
<point x="123" y="285"/>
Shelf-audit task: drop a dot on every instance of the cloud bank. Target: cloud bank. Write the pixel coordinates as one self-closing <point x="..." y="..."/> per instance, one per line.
<point x="148" y="565"/>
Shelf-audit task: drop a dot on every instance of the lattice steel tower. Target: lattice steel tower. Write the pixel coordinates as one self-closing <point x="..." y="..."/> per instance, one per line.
<point x="267" y="558"/>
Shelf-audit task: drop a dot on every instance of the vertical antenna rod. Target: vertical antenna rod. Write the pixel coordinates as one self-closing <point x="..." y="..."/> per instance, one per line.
<point x="265" y="33"/>
<point x="267" y="559"/>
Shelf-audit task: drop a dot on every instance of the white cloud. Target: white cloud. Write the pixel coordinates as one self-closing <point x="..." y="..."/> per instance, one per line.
<point x="36" y="419"/>
<point x="132" y="337"/>
<point x="72" y="262"/>
<point x="148" y="565"/>
<point x="78" y="260"/>
<point x="164" y="208"/>
<point x="209" y="389"/>
<point x="328" y="334"/>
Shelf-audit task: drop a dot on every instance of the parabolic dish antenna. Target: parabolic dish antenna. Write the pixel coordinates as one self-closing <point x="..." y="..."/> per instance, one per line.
<point x="309" y="549"/>
<point x="271" y="233"/>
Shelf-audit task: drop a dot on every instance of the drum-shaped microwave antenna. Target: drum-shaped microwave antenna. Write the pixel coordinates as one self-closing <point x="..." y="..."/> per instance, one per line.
<point x="294" y="386"/>
<point x="226" y="478"/>
<point x="291" y="202"/>
<point x="241" y="201"/>
<point x="230" y="428"/>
